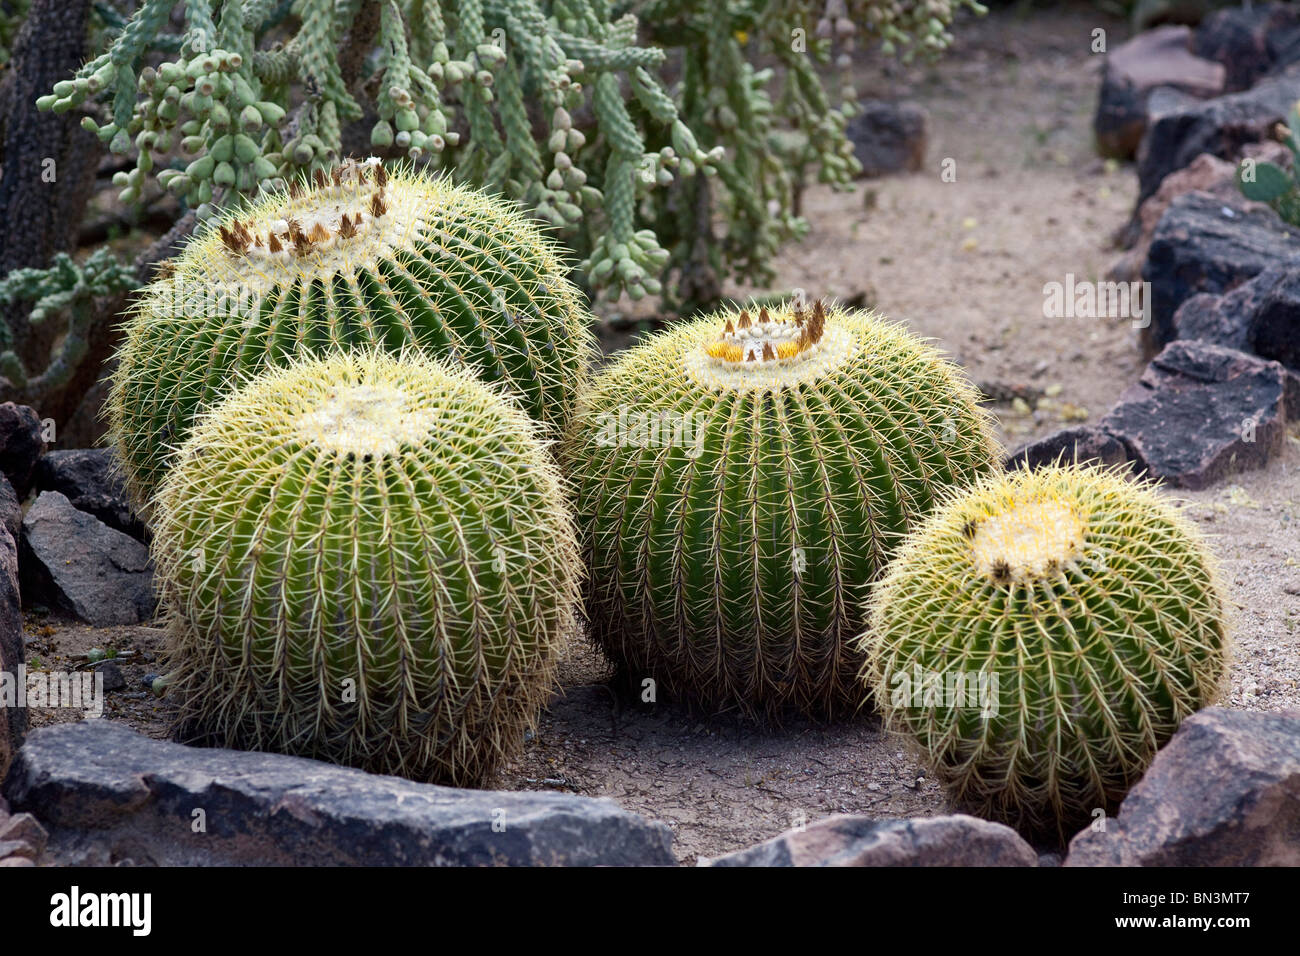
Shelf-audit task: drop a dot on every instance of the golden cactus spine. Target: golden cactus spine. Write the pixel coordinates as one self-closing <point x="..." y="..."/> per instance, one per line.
<point x="1041" y="636"/>
<point x="359" y="258"/>
<point x="741" y="479"/>
<point x="366" y="559"/>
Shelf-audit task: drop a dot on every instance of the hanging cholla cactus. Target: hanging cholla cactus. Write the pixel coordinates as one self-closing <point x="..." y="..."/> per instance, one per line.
<point x="771" y="122"/>
<point x="360" y="257"/>
<point x="366" y="559"/>
<point x="1040" y="637"/>
<point x="489" y="90"/>
<point x="65" y="287"/>
<point x="739" y="482"/>
<point x="224" y="94"/>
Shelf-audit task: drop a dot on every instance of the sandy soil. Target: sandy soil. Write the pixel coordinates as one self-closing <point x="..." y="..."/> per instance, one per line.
<point x="965" y="263"/>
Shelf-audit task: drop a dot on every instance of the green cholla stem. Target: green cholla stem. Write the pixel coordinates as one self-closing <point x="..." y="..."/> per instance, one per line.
<point x="491" y="100"/>
<point x="65" y="286"/>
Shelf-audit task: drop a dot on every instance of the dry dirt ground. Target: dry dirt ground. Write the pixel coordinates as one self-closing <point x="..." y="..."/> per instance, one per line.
<point x="964" y="262"/>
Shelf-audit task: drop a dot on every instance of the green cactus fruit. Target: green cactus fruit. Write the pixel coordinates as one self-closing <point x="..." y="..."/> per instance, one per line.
<point x="362" y="257"/>
<point x="739" y="481"/>
<point x="1040" y="637"/>
<point x="366" y="558"/>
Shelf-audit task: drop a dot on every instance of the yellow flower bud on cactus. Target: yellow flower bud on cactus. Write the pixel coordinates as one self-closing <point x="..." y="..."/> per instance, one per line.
<point x="1041" y="636"/>
<point x="366" y="559"/>
<point x="741" y="479"/>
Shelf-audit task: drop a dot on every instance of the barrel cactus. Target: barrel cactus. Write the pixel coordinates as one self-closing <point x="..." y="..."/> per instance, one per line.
<point x="740" y="479"/>
<point x="365" y="558"/>
<point x="361" y="257"/>
<point x="1041" y="636"/>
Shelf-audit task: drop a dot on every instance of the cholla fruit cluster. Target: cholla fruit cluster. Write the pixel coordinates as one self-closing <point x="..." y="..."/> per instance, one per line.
<point x="359" y="258"/>
<point x="1041" y="636"/>
<point x="366" y="559"/>
<point x="741" y="479"/>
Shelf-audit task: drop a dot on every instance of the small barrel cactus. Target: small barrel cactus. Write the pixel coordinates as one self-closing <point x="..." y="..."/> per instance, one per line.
<point x="359" y="258"/>
<point x="739" y="482"/>
<point x="1040" y="637"/>
<point x="366" y="558"/>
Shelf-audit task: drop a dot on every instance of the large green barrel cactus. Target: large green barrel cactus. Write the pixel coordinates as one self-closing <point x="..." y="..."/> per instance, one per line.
<point x="366" y="559"/>
<point x="359" y="258"/>
<point x="742" y="478"/>
<point x="1041" y="636"/>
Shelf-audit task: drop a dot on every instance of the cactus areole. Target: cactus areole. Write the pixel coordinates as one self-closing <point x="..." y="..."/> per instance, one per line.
<point x="1080" y="616"/>
<point x="740" y="481"/>
<point x="360" y="257"/>
<point x="366" y="559"/>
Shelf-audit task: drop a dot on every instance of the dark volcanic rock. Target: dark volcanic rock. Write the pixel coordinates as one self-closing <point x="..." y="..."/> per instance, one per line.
<point x="114" y="679"/>
<point x="106" y="794"/>
<point x="11" y="509"/>
<point x="1201" y="412"/>
<point x="1220" y="127"/>
<point x="1157" y="59"/>
<point x="1204" y="317"/>
<point x="1275" y="316"/>
<point x="1083" y="443"/>
<point x="1206" y="244"/>
<point x="888" y="137"/>
<point x="1225" y="791"/>
<point x="1250" y="42"/>
<point x="13" y="720"/>
<point x="956" y="840"/>
<point x="21" y="444"/>
<point x="72" y="561"/>
<point x="1260" y="316"/>
<point x="89" y="478"/>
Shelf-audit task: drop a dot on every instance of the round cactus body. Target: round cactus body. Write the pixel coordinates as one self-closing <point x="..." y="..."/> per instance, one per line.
<point x="739" y="482"/>
<point x="367" y="559"/>
<point x="1040" y="637"/>
<point x="364" y="258"/>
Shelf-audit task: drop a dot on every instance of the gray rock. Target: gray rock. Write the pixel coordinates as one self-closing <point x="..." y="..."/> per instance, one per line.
<point x="1219" y="126"/>
<point x="1206" y="173"/>
<point x="1166" y="99"/>
<point x="17" y="849"/>
<point x="1201" y="412"/>
<point x="106" y="793"/>
<point x="1250" y="41"/>
<point x="1261" y="316"/>
<point x="1083" y="443"/>
<point x="1157" y="59"/>
<point x="956" y="840"/>
<point x="91" y="480"/>
<point x="1225" y="791"/>
<point x="1206" y="244"/>
<point x="11" y="510"/>
<point x="13" y="720"/>
<point x="24" y="828"/>
<point x="888" y="137"/>
<point x="1151" y="13"/>
<point x="72" y="561"/>
<point x="1220" y="319"/>
<point x="21" y="443"/>
<point x="113" y="677"/>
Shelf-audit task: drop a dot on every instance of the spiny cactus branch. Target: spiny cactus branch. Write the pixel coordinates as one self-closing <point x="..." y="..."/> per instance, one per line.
<point x="487" y="89"/>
